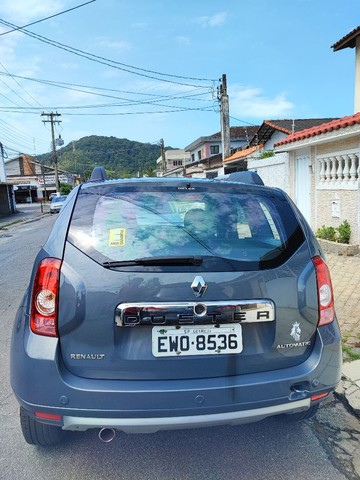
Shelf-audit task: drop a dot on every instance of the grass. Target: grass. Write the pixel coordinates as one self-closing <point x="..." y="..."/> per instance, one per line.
<point x="348" y="352"/>
<point x="11" y="224"/>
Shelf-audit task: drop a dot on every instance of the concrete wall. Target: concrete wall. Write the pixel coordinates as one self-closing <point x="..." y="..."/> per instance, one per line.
<point x="335" y="206"/>
<point x="5" y="201"/>
<point x="274" y="171"/>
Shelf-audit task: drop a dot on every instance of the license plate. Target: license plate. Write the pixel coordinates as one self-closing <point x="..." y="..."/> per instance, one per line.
<point x="201" y="340"/>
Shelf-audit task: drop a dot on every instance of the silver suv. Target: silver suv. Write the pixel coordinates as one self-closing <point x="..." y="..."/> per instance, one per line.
<point x="174" y="303"/>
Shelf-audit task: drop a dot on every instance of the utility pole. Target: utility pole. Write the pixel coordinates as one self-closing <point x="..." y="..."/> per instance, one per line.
<point x="224" y="117"/>
<point x="163" y="159"/>
<point x="52" y="118"/>
<point x="3" y="177"/>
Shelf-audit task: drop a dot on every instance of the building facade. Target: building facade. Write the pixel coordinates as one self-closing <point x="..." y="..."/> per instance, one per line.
<point x="33" y="181"/>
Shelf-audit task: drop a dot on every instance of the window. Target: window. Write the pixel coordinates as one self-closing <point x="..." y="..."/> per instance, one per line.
<point x="199" y="154"/>
<point x="117" y="224"/>
<point x="193" y="157"/>
<point x="214" y="149"/>
<point x="177" y="163"/>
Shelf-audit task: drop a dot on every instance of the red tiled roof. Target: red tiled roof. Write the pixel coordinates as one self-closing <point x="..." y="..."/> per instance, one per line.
<point x="277" y="125"/>
<point x="348" y="41"/>
<point x="268" y="127"/>
<point x="323" y="128"/>
<point x="243" y="153"/>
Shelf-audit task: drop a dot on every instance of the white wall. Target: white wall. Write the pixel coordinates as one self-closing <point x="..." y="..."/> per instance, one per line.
<point x="274" y="171"/>
<point x="275" y="137"/>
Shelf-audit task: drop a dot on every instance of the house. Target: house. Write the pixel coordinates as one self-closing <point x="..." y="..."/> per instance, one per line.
<point x="323" y="162"/>
<point x="31" y="180"/>
<point x="206" y="152"/>
<point x="352" y="40"/>
<point x="7" y="199"/>
<point x="255" y="155"/>
<point x="173" y="163"/>
<point x="323" y="172"/>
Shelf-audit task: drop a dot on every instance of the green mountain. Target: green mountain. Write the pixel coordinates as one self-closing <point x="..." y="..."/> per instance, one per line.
<point x="119" y="156"/>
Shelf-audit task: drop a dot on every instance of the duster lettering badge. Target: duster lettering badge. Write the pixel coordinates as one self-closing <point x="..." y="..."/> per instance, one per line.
<point x="241" y="311"/>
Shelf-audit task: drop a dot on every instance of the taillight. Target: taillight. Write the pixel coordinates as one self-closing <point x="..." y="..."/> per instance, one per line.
<point x="325" y="292"/>
<point x="44" y="303"/>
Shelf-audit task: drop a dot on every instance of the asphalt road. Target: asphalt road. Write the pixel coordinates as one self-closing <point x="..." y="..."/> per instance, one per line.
<point x="272" y="449"/>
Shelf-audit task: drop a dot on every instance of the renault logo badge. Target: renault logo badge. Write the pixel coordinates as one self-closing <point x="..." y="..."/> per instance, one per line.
<point x="198" y="286"/>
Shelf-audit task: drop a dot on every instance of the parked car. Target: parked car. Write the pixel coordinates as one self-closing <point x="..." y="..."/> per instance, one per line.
<point x="166" y="303"/>
<point x="57" y="203"/>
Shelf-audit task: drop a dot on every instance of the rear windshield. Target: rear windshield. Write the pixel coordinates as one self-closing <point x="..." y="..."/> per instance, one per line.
<point x="115" y="222"/>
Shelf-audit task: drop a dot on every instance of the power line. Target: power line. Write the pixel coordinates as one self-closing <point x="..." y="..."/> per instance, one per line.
<point x="15" y="93"/>
<point x="242" y="121"/>
<point x="158" y="97"/>
<point x="109" y="62"/>
<point x="67" y="84"/>
<point x="46" y="18"/>
<point x="128" y="102"/>
<point x="14" y="79"/>
<point x="179" y="109"/>
<point x="8" y="132"/>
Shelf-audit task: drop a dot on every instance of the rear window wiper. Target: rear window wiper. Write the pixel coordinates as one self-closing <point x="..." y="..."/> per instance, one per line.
<point x="156" y="261"/>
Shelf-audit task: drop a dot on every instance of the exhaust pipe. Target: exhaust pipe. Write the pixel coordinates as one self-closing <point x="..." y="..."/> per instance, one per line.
<point x="106" y="435"/>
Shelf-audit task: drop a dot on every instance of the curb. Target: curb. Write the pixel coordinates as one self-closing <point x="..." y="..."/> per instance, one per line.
<point x="348" y="390"/>
<point x="17" y="221"/>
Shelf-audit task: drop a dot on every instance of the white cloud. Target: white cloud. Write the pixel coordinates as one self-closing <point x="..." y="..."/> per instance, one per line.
<point x="23" y="11"/>
<point x="113" y="44"/>
<point x="251" y="102"/>
<point x="213" y="21"/>
<point x="183" y="40"/>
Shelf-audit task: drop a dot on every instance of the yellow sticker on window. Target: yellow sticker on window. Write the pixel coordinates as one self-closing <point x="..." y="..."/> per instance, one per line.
<point x="117" y="237"/>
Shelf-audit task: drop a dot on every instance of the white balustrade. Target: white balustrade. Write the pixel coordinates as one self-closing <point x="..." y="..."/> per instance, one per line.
<point x="353" y="170"/>
<point x="346" y="168"/>
<point x="333" y="171"/>
<point x="322" y="170"/>
<point x="339" y="171"/>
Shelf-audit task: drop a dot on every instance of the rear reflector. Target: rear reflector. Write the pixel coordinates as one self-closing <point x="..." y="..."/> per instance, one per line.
<point x="325" y="292"/>
<point x="44" y="303"/>
<point x="48" y="416"/>
<point x="319" y="397"/>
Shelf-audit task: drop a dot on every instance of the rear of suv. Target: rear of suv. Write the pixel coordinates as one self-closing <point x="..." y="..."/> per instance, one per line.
<point x="174" y="303"/>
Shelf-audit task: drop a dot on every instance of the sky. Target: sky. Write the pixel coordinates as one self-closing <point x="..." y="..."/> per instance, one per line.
<point x="147" y="70"/>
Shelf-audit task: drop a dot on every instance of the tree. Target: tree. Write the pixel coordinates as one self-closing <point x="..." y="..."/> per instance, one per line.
<point x="65" y="188"/>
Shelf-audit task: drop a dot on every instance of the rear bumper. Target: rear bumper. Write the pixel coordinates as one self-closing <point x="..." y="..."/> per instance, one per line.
<point x="152" y="425"/>
<point x="43" y="385"/>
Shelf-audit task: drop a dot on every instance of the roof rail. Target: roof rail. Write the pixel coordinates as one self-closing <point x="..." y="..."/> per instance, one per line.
<point x="243" y="177"/>
<point x="98" y="175"/>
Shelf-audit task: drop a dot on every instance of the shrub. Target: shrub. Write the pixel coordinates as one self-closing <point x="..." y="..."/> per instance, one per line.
<point x="344" y="232"/>
<point x="340" y="234"/>
<point x="266" y="154"/>
<point x="327" y="233"/>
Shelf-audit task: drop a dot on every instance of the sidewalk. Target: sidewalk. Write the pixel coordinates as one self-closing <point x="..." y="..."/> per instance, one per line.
<point x="345" y="273"/>
<point x="25" y="212"/>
